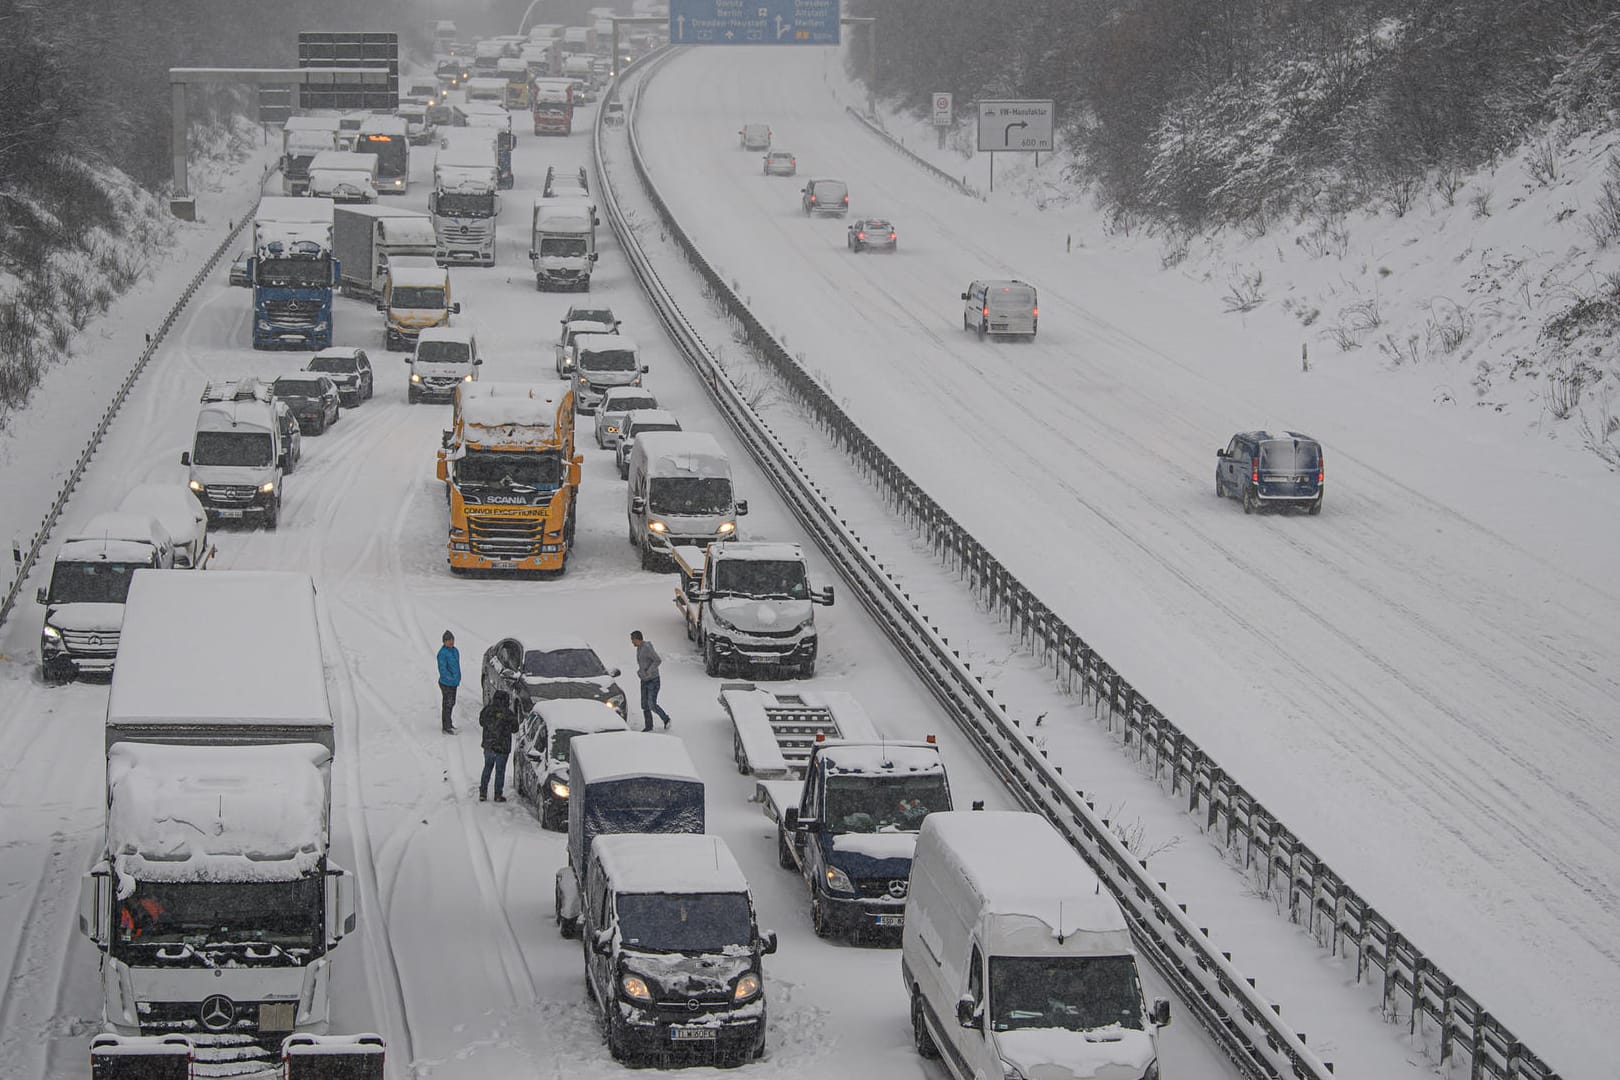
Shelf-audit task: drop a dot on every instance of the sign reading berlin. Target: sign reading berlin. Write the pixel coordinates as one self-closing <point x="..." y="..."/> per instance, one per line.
<point x="1015" y="125"/>
<point x="753" y="22"/>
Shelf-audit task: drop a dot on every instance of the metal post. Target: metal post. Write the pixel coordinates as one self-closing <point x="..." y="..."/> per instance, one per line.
<point x="613" y="57"/>
<point x="871" y="73"/>
<point x="992" y="154"/>
<point x="177" y="95"/>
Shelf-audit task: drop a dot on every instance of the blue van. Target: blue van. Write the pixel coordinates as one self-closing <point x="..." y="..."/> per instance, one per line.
<point x="1265" y="468"/>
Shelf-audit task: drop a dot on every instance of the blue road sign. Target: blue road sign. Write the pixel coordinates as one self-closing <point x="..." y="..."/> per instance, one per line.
<point x="753" y="22"/>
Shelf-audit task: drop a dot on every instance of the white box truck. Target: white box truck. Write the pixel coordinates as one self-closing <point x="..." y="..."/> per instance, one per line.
<point x="365" y="236"/>
<point x="215" y="905"/>
<point x="562" y="243"/>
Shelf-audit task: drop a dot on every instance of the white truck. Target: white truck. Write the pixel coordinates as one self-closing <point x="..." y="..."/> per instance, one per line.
<point x="466" y="199"/>
<point x="562" y="243"/>
<point x="215" y="905"/>
<point x="366" y="236"/>
<point x="343" y="176"/>
<point x="578" y="67"/>
<point x="299" y="145"/>
<point x="90" y="578"/>
<point x="750" y="604"/>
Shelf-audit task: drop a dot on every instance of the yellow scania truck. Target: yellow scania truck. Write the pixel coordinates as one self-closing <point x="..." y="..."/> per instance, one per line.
<point x="511" y="477"/>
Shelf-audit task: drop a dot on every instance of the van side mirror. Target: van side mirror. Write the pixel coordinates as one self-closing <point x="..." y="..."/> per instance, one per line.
<point x="477" y="361"/>
<point x="967" y="1012"/>
<point x="1221" y="452"/>
<point x="645" y="369"/>
<point x="810" y="825"/>
<point x="455" y="308"/>
<point x="382" y="305"/>
<point x="964" y="296"/>
<point x="638" y="505"/>
<point x="827" y="595"/>
<point x="185" y="458"/>
<point x="790" y="819"/>
<point x="594" y="256"/>
<point x="1161" y="1012"/>
<point x="767" y="943"/>
<point x="689" y="586"/>
<point x="39" y="597"/>
<point x="742" y="507"/>
<point x="602" y="943"/>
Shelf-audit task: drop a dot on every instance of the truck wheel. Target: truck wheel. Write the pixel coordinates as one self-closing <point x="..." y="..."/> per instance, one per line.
<point x="920" y="1038"/>
<point x="272" y="515"/>
<point x="784" y="854"/>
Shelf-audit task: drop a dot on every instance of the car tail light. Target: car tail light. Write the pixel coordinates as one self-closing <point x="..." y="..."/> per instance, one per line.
<point x="986" y="311"/>
<point x="891" y="236"/>
<point x="1035" y="313"/>
<point x="1254" y="470"/>
<point x="812" y="198"/>
<point x="846" y="200"/>
<point x="860" y="236"/>
<point x="1321" y="466"/>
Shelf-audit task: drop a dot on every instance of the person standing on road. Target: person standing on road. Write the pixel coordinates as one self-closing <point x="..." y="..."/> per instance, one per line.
<point x="499" y="722"/>
<point x="647" y="661"/>
<point x="449" y="679"/>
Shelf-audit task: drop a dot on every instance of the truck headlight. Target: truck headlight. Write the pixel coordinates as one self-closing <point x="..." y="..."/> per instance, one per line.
<point x="657" y="527"/>
<point x="583" y="380"/>
<point x="197" y="486"/>
<point x="51" y="633"/>
<point x="747" y="988"/>
<point x="727" y="527"/>
<point x="838" y="881"/>
<point x="635" y="988"/>
<point x="467" y="377"/>
<point x="320" y="327"/>
<point x="267" y="487"/>
<point x="559" y="789"/>
<point x="263" y="325"/>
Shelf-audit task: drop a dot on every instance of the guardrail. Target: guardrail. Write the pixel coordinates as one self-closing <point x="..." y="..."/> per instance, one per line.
<point x="1415" y="990"/>
<point x="24" y="562"/>
<point x="916" y="159"/>
<point x="1248" y="1027"/>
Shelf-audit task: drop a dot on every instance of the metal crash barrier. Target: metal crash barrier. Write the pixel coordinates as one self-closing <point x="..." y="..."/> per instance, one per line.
<point x="332" y="1057"/>
<point x="141" y="1057"/>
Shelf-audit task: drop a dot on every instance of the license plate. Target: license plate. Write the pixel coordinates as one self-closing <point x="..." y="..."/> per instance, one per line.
<point x="547" y="549"/>
<point x="230" y="515"/>
<point x="691" y="1034"/>
<point x="505" y="564"/>
<point x="891" y="920"/>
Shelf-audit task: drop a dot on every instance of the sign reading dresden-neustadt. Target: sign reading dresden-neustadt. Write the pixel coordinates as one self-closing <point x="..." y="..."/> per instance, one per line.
<point x="753" y="22"/>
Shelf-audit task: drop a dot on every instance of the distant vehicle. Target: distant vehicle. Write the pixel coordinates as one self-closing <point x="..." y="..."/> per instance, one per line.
<point x="291" y="450"/>
<point x="240" y="274"/>
<point x="591" y="314"/>
<point x="755" y="136"/>
<point x="1263" y="468"/>
<point x="563" y="351"/>
<point x="445" y="357"/>
<point x="613" y="114"/>
<point x="781" y="163"/>
<point x="873" y="233"/>
<point x="616" y="403"/>
<point x="825" y="197"/>
<point x="350" y="369"/>
<point x="558" y="667"/>
<point x="1000" y="307"/>
<point x="312" y="398"/>
<point x="180" y="514"/>
<point x="639" y="423"/>
<point x="540" y="754"/>
<point x="602" y="361"/>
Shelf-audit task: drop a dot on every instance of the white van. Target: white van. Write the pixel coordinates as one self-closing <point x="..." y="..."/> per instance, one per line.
<point x="601" y="362"/>
<point x="1016" y="961"/>
<point x="680" y="493"/>
<point x="1000" y="307"/>
<point x="445" y="357"/>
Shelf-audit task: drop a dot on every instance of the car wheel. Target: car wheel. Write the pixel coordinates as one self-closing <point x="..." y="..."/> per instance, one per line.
<point x="272" y="516"/>
<point x="337" y="414"/>
<point x="1315" y="507"/>
<point x="984" y="328"/>
<point x="646" y="556"/>
<point x="711" y="659"/>
<point x="411" y="396"/>
<point x="920" y="1038"/>
<point x="1249" y="502"/>
<point x="784" y="853"/>
<point x="807" y="670"/>
<point x="1220" y="486"/>
<point x="818" y="918"/>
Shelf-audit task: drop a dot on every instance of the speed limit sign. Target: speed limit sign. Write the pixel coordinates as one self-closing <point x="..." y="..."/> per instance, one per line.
<point x="942" y="110"/>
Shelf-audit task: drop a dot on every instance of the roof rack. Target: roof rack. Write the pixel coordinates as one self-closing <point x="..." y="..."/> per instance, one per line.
<point x="251" y="388"/>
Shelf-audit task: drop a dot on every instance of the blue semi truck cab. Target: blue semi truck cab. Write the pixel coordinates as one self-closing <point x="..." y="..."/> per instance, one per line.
<point x="294" y="273"/>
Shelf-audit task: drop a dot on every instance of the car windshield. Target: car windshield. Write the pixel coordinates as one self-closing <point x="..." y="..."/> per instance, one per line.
<point x="336" y="365"/>
<point x="249" y="449"/>
<point x="292" y="388"/>
<point x="689" y="495"/>
<point x="690" y="923"/>
<point x="868" y="803"/>
<point x="292" y="273"/>
<point x="562" y="246"/>
<point x="1075" y="993"/>
<point x="560" y="739"/>
<point x="542" y="471"/>
<point x="414" y="297"/>
<point x="608" y="359"/>
<point x="563" y="663"/>
<point x="1289" y="455"/>
<point x="443" y="352"/>
<point x="596" y="315"/>
<point x="220" y="924"/>
<point x="92" y="582"/>
<point x="876" y="226"/>
<point x="777" y="155"/>
<point x="626" y="404"/>
<point x="783" y="578"/>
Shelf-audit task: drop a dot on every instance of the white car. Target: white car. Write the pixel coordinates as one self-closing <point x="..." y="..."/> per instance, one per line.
<point x="615" y="404"/>
<point x="179" y="512"/>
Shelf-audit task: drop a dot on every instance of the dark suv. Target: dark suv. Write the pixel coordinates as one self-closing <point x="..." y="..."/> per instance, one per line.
<point x="1266" y="468"/>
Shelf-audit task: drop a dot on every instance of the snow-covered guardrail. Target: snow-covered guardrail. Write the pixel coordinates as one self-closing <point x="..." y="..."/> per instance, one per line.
<point x="24" y="563"/>
<point x="916" y="159"/>
<point x="1453" y="1024"/>
<point x="1248" y="1026"/>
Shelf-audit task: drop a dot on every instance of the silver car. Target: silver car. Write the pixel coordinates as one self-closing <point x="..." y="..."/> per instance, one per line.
<point x="611" y="413"/>
<point x="637" y="423"/>
<point x="873" y="234"/>
<point x="781" y="163"/>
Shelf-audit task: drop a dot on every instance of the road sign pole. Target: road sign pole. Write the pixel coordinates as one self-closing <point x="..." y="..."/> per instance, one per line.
<point x="992" y="170"/>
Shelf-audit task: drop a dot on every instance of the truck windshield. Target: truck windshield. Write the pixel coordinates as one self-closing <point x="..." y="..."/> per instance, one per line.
<point x="392" y="152"/>
<point x="293" y="273"/>
<point x="297" y="165"/>
<point x="429" y="298"/>
<point x="451" y="204"/>
<point x="562" y="247"/>
<point x="871" y="802"/>
<point x="1075" y="993"/>
<point x="443" y="352"/>
<point x="608" y="359"/>
<point x="689" y="495"/>
<point x="781" y="579"/>
<point x="493" y="468"/>
<point x="220" y="924"/>
<point x="250" y="449"/>
<point x="693" y="923"/>
<point x="92" y="583"/>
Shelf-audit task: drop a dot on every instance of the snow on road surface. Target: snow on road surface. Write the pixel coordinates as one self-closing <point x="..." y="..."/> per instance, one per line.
<point x="1421" y="682"/>
<point x="456" y="960"/>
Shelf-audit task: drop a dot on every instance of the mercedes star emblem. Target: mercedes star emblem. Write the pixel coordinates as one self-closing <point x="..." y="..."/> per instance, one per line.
<point x="95" y="641"/>
<point x="898" y="888"/>
<point x="218" y="1012"/>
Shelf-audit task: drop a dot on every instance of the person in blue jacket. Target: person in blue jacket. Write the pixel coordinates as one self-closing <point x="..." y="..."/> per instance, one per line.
<point x="449" y="679"/>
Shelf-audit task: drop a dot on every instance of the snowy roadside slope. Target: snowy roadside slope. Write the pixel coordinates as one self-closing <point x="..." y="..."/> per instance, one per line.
<point x="1418" y="681"/>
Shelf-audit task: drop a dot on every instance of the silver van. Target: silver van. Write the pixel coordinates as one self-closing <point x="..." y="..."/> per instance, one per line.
<point x="680" y="492"/>
<point x="1000" y="307"/>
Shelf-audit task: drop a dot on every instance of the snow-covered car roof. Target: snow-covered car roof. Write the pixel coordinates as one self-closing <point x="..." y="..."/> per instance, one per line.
<point x="340" y="352"/>
<point x="446" y="333"/>
<point x="668" y="863"/>
<point x="615" y="394"/>
<point x="216" y="813"/>
<point x="759" y="552"/>
<point x="588" y="326"/>
<point x="235" y="416"/>
<point x="382" y="124"/>
<point x="648" y="416"/>
<point x="620" y="755"/>
<point x="139" y="526"/>
<point x="173" y="504"/>
<point x="683" y="453"/>
<point x="111" y="551"/>
<point x="552" y="641"/>
<point x="586" y="343"/>
<point x="584" y="715"/>
<point x="884" y="758"/>
<point x="417" y="277"/>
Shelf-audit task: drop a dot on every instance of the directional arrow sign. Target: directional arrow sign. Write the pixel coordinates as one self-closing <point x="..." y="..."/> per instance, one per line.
<point x="753" y="22"/>
<point x="1015" y="125"/>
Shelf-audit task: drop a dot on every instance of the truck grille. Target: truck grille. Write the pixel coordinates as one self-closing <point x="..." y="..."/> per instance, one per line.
<point x="231" y="494"/>
<point x="879" y="889"/>
<point x="505" y="537"/>
<point x="91" y="642"/>
<point x="292" y="312"/>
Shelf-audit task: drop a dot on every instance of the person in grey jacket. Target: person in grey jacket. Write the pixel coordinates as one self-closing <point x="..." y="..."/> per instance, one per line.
<point x="647" y="661"/>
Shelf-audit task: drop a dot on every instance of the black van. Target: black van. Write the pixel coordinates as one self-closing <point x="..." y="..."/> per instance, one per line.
<point x="1265" y="468"/>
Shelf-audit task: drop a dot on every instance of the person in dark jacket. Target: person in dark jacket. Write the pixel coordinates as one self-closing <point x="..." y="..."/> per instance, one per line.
<point x="647" y="663"/>
<point x="449" y="679"/>
<point x="499" y="722"/>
